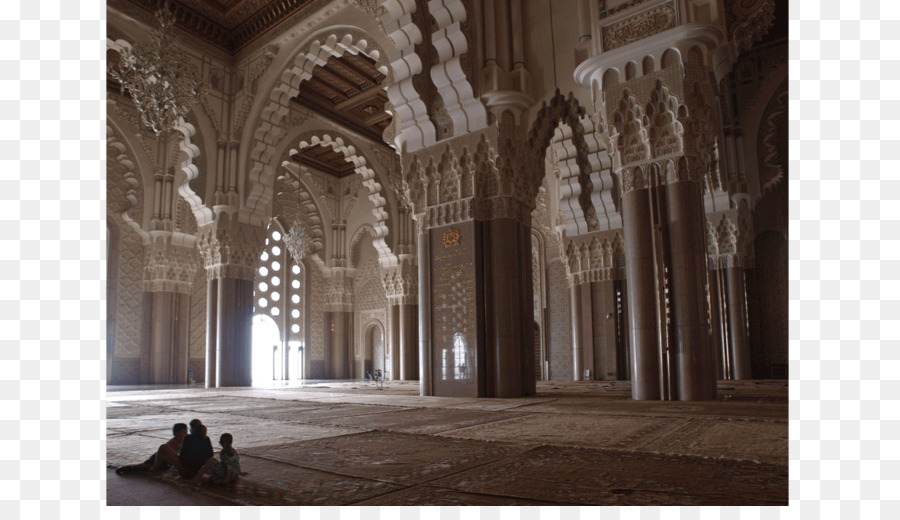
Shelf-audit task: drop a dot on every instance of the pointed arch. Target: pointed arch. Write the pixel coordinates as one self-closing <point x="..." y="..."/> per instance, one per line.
<point x="272" y="128"/>
<point x="376" y="196"/>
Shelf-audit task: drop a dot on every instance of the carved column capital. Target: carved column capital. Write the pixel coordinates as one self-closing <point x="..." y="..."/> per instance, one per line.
<point x="339" y="291"/>
<point x="170" y="261"/>
<point x="230" y="249"/>
<point x="401" y="282"/>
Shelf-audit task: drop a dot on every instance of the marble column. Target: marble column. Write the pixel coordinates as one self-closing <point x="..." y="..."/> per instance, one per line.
<point x="212" y="331"/>
<point x="582" y="330"/>
<point x="425" y="354"/>
<point x="394" y="367"/>
<point x="693" y="362"/>
<point x="234" y="332"/>
<point x="166" y="341"/>
<point x="737" y="323"/>
<point x="409" y="363"/>
<point x="717" y="339"/>
<point x="340" y="342"/>
<point x="603" y="305"/>
<point x="509" y="328"/>
<point x="641" y="295"/>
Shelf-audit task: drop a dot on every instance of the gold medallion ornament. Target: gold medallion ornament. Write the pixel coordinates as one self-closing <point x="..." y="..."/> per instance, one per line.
<point x="451" y="238"/>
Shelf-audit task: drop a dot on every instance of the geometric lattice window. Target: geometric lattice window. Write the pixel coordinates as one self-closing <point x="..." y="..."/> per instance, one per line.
<point x="278" y="293"/>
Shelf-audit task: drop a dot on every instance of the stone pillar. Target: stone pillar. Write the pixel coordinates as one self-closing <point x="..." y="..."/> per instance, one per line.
<point x="340" y="331"/>
<point x="234" y="338"/>
<point x="737" y="323"/>
<point x="509" y="328"/>
<point x="693" y="360"/>
<point x="394" y="317"/>
<point x="603" y="303"/>
<point x="168" y="273"/>
<point x="408" y="342"/>
<point x="212" y="331"/>
<point x="426" y="363"/>
<point x="230" y="251"/>
<point x="642" y="297"/>
<point x="582" y="331"/>
<point x="717" y="338"/>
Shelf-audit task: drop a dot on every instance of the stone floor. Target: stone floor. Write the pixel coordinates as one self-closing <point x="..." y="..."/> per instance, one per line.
<point x="350" y="443"/>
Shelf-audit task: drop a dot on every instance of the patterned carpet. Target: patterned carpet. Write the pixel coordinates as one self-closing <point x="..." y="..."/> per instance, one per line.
<point x="574" y="443"/>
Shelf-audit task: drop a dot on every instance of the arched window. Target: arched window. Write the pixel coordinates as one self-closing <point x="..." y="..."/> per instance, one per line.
<point x="279" y="294"/>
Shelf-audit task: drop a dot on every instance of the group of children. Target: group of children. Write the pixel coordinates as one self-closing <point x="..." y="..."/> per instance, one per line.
<point x="192" y="456"/>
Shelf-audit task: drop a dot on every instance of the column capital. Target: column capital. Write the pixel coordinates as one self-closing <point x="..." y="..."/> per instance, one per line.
<point x="230" y="249"/>
<point x="594" y="257"/>
<point x="729" y="238"/>
<point x="170" y="262"/>
<point x="401" y="282"/>
<point x="339" y="291"/>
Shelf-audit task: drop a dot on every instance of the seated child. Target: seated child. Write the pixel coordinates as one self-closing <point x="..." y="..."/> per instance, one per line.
<point x="165" y="456"/>
<point x="225" y="470"/>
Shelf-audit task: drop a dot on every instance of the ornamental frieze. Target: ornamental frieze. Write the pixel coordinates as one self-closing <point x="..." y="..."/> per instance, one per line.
<point x="169" y="267"/>
<point x="637" y="27"/>
<point x="230" y="249"/>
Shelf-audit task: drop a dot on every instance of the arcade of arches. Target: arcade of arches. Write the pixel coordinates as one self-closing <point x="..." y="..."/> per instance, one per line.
<point x="490" y="192"/>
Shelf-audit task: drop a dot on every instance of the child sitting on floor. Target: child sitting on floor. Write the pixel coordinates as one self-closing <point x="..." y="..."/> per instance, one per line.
<point x="223" y="471"/>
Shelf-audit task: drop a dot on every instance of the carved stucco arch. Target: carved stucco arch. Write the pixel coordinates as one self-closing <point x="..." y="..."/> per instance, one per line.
<point x="361" y="231"/>
<point x="275" y="108"/>
<point x="385" y="256"/>
<point x="449" y="43"/>
<point x="120" y="161"/>
<point x="586" y="146"/>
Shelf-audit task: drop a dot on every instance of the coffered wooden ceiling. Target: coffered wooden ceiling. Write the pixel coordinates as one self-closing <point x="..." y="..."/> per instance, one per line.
<point x="229" y="24"/>
<point x="345" y="90"/>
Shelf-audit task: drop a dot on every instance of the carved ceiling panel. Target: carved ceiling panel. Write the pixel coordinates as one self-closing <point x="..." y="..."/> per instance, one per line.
<point x="228" y="24"/>
<point x="326" y="159"/>
<point x="346" y="90"/>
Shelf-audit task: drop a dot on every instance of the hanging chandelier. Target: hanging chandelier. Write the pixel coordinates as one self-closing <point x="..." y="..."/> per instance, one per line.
<point x="298" y="240"/>
<point x="158" y="76"/>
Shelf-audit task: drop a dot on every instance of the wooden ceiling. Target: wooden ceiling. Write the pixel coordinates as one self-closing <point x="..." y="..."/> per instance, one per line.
<point x="347" y="91"/>
<point x="325" y="159"/>
<point x="228" y="24"/>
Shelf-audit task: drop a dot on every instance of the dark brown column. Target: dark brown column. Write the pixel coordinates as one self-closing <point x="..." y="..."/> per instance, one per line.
<point x="509" y="344"/>
<point x="693" y="361"/>
<point x="717" y="338"/>
<point x="582" y="331"/>
<point x="212" y="331"/>
<point x="234" y="333"/>
<point x="394" y="368"/>
<point x="167" y="344"/>
<point x="409" y="362"/>
<point x="340" y="322"/>
<point x="425" y="353"/>
<point x="603" y="314"/>
<point x="737" y="323"/>
<point x="641" y="291"/>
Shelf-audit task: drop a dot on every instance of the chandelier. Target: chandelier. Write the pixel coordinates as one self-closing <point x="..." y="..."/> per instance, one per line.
<point x="298" y="240"/>
<point x="158" y="76"/>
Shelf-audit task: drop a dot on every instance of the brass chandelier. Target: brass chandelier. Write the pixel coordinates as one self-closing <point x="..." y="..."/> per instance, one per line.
<point x="158" y="76"/>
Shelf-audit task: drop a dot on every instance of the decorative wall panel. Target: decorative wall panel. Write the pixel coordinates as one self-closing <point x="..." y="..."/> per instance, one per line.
<point x="316" y="348"/>
<point x="198" y="317"/>
<point x="560" y="347"/>
<point x="453" y="316"/>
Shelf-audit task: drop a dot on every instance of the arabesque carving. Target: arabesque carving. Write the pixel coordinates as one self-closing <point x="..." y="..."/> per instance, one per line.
<point x="169" y="267"/>
<point x="230" y="249"/>
<point x="274" y="117"/>
<point x="639" y="26"/>
<point x="595" y="257"/>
